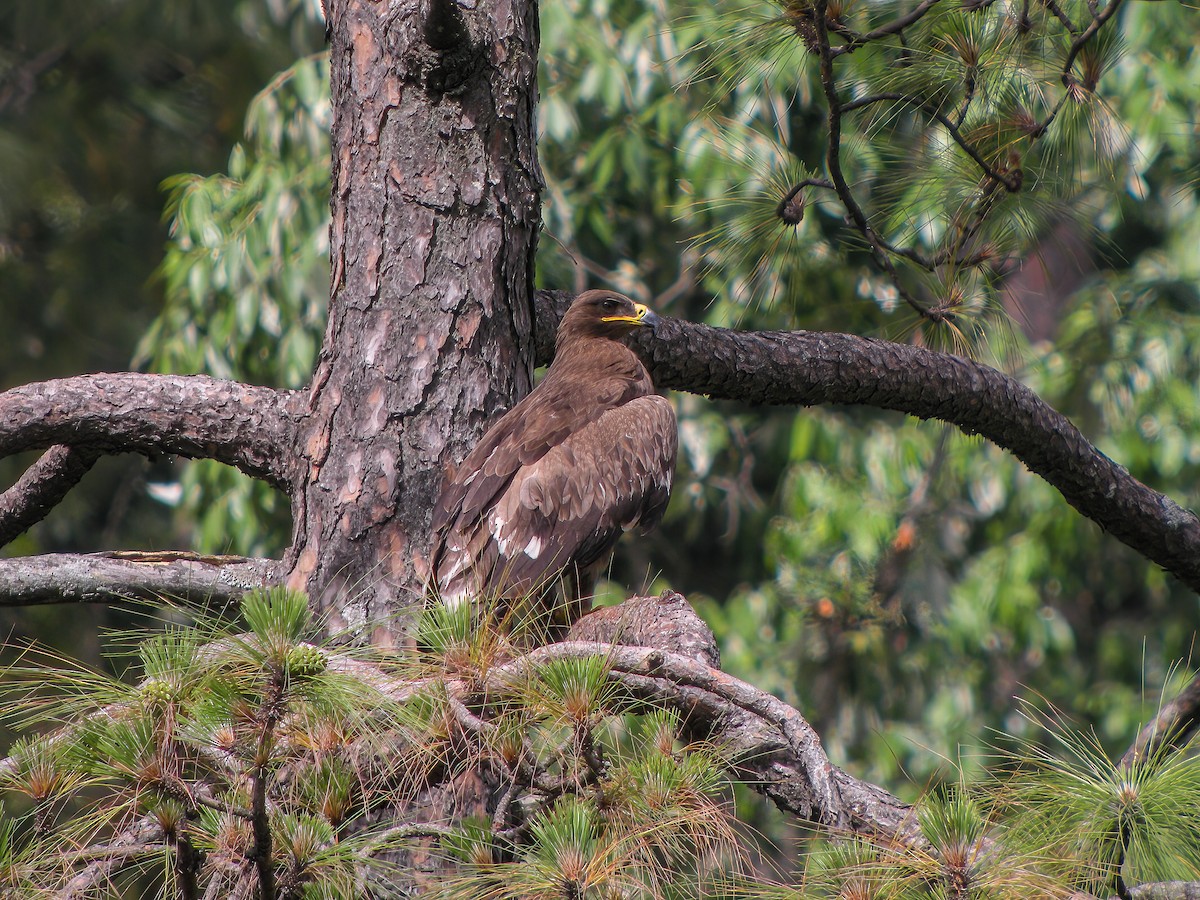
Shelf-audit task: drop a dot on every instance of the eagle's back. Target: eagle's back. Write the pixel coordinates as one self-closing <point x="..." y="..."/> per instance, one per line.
<point x="552" y="485"/>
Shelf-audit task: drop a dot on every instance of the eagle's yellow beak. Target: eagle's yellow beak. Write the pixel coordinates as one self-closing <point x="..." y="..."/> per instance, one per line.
<point x="643" y="315"/>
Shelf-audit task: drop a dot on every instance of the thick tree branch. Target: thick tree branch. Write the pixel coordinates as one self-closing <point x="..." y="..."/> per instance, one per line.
<point x="252" y="428"/>
<point x="41" y="488"/>
<point x="105" y="577"/>
<point x="808" y="368"/>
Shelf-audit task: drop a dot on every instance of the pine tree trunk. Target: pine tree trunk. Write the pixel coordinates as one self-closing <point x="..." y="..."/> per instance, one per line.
<point x="436" y="207"/>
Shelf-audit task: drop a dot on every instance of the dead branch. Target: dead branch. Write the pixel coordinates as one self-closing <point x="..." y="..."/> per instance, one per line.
<point x="111" y="576"/>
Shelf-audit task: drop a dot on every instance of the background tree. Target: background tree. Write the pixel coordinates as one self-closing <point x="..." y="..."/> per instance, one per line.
<point x="974" y="584"/>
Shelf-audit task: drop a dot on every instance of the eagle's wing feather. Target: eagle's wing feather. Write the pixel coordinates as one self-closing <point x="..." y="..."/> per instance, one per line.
<point x="570" y="506"/>
<point x="522" y="436"/>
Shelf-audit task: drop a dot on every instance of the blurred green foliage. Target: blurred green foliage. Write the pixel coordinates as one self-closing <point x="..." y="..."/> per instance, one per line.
<point x="246" y="276"/>
<point x="99" y="103"/>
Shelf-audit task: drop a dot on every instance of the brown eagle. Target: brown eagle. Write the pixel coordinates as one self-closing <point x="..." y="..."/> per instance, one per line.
<point x="540" y="502"/>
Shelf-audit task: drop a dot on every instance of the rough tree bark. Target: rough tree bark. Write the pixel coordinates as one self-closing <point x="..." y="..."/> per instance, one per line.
<point x="436" y="207"/>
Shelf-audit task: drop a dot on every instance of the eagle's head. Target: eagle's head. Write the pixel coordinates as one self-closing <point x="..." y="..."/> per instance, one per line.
<point x="603" y="314"/>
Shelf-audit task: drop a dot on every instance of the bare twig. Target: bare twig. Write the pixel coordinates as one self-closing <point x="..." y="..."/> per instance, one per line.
<point x="896" y="26"/>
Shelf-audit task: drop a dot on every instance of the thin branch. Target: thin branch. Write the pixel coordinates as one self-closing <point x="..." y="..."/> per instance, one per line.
<point x="1044" y="125"/>
<point x="833" y="162"/>
<point x="42" y="488"/>
<point x="968" y="98"/>
<point x="1058" y="13"/>
<point x="105" y="577"/>
<point x="1088" y="33"/>
<point x="894" y="27"/>
<point x="270" y="713"/>
<point x="1010" y="183"/>
<point x="252" y="428"/>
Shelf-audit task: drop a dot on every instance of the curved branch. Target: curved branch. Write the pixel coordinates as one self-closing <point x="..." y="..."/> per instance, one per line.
<point x="771" y="747"/>
<point x="104" y="577"/>
<point x="42" y="488"/>
<point x="894" y="27"/>
<point x="1011" y="183"/>
<point x="1088" y="33"/>
<point x="1174" y="726"/>
<point x="252" y="428"/>
<point x="807" y="368"/>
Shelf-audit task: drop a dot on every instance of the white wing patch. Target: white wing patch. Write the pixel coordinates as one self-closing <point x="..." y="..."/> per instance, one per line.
<point x="496" y="523"/>
<point x="534" y="547"/>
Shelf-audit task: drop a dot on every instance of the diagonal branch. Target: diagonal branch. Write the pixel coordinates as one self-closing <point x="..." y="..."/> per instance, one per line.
<point x="807" y="368"/>
<point x="1175" y="725"/>
<point x="1011" y="183"/>
<point x="105" y="577"/>
<point x="42" y="488"/>
<point x="252" y="428"/>
<point x="893" y="27"/>
<point x="1088" y="33"/>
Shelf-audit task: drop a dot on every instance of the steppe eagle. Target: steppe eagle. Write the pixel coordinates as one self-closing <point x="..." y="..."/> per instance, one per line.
<point x="539" y="504"/>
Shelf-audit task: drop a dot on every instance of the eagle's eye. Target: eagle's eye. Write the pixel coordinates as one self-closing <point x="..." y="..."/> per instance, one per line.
<point x="610" y="303"/>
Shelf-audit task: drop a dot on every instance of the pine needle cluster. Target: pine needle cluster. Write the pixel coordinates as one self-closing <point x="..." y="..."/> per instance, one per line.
<point x="258" y="761"/>
<point x="232" y="757"/>
<point x="935" y="143"/>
